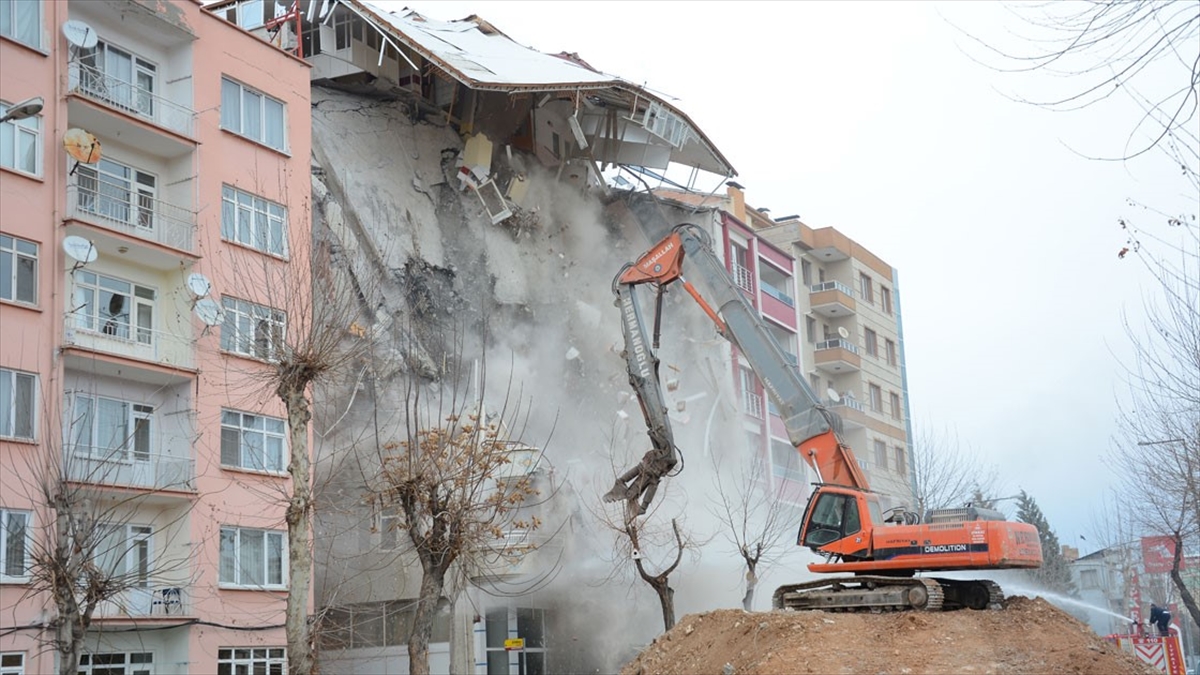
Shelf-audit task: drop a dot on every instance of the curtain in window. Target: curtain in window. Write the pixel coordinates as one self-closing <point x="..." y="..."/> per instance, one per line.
<point x="112" y="427"/>
<point x="273" y="119"/>
<point x="275" y="559"/>
<point x="250" y="558"/>
<point x="228" y="568"/>
<point x="14" y="538"/>
<point x="231" y="106"/>
<point x="82" y="421"/>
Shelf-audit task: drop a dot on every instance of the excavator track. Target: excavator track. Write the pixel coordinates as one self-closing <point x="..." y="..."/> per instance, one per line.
<point x="862" y="593"/>
<point x="973" y="594"/>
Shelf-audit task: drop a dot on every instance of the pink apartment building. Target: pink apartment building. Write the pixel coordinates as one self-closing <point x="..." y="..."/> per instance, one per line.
<point x="140" y="307"/>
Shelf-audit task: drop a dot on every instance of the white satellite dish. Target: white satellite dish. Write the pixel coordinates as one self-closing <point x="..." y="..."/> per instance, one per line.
<point x="208" y="311"/>
<point x="81" y="250"/>
<point x="79" y="34"/>
<point x="833" y="395"/>
<point x="843" y="332"/>
<point x="198" y="284"/>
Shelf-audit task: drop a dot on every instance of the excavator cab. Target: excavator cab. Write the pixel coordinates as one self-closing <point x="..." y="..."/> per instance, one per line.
<point x="839" y="521"/>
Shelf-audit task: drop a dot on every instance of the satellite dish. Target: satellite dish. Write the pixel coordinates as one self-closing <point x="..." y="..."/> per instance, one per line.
<point x="208" y="311"/>
<point x="79" y="249"/>
<point x="843" y="332"/>
<point x="833" y="395"/>
<point x="198" y="284"/>
<point x="82" y="146"/>
<point x="79" y="34"/>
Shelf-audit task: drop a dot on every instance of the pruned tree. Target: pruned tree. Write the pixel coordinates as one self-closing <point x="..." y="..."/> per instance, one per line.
<point x="1055" y="573"/>
<point x="947" y="474"/>
<point x="660" y="581"/>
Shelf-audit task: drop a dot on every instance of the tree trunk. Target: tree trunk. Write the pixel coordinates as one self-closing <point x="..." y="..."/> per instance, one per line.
<point x="433" y="580"/>
<point x="751" y="583"/>
<point x="299" y="517"/>
<point x="666" y="599"/>
<point x="1184" y="594"/>
<point x="68" y="637"/>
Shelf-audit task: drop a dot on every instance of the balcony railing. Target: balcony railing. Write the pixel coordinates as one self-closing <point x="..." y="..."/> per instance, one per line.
<point x="743" y="278"/>
<point x="131" y="98"/>
<point x="831" y="286"/>
<point x="120" y="207"/>
<point x="147" y="601"/>
<point x="123" y="339"/>
<point x="777" y="294"/>
<point x="123" y="467"/>
<point x="753" y="404"/>
<point x="845" y="402"/>
<point x="837" y="343"/>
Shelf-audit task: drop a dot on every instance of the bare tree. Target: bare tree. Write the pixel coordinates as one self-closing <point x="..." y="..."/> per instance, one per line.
<point x="947" y="474"/>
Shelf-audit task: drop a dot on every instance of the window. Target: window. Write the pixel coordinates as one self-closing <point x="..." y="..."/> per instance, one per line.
<point x="881" y="459"/>
<point x="1089" y="579"/>
<point x="123" y="554"/>
<point x="114" y="307"/>
<point x="895" y="401"/>
<point x="14" y="545"/>
<point x="117" y="192"/>
<point x="890" y="348"/>
<point x="876" y="398"/>
<point x="118" y="77"/>
<point x="253" y="330"/>
<point x="739" y="267"/>
<point x="253" y="221"/>
<point x="21" y="140"/>
<point x="341" y="30"/>
<point x="814" y="381"/>
<point x="111" y="429"/>
<point x="390" y="520"/>
<point x="751" y="400"/>
<point x="252" y="114"/>
<point x="12" y="663"/>
<point x="885" y="299"/>
<point x="872" y="342"/>
<point x="251" y="558"/>
<point x="865" y="290"/>
<point x="252" y="441"/>
<point x="21" y="20"/>
<point x="901" y="460"/>
<point x="119" y="663"/>
<point x="785" y="461"/>
<point x="18" y="269"/>
<point x="239" y="661"/>
<point x="18" y="412"/>
<point x="806" y="272"/>
<point x="810" y="329"/>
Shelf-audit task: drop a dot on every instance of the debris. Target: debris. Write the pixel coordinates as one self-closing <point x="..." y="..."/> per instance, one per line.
<point x="572" y="354"/>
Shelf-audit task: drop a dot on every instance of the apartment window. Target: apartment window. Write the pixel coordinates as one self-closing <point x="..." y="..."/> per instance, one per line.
<point x="865" y="289"/>
<point x="901" y="460"/>
<point x="14" y="545"/>
<point x="885" y="299"/>
<point x="871" y="341"/>
<point x="260" y="661"/>
<point x="876" y="398"/>
<point x="21" y="141"/>
<point x="881" y="459"/>
<point x="895" y="401"/>
<point x="806" y="272"/>
<point x="18" y="269"/>
<point x="111" y="429"/>
<point x="251" y="558"/>
<point x="1089" y="579"/>
<point x="18" y="409"/>
<point x="117" y="663"/>
<point x="114" y="307"/>
<point x="252" y="114"/>
<point x="390" y="520"/>
<point x="21" y="20"/>
<point x="341" y="30"/>
<point x="810" y="329"/>
<point x="253" y="442"/>
<point x="12" y="663"/>
<point x="739" y="265"/>
<point x="123" y="554"/>
<point x="118" y="77"/>
<point x="253" y="221"/>
<point x="750" y="397"/>
<point x="117" y="192"/>
<point x="890" y="349"/>
<point x="253" y="330"/>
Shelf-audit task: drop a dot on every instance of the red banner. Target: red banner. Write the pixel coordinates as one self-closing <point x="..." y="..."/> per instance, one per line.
<point x="1158" y="554"/>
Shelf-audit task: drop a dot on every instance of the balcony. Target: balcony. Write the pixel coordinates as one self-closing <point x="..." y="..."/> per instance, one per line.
<point x="134" y="214"/>
<point x="130" y="469"/>
<point x="850" y="410"/>
<point x="130" y="99"/>
<point x="837" y="357"/>
<point x="752" y="404"/>
<point x="152" y="601"/>
<point x="832" y="299"/>
<point x="160" y="350"/>
<point x="742" y="277"/>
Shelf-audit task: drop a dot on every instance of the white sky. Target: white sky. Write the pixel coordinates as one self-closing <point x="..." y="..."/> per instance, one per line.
<point x="869" y="117"/>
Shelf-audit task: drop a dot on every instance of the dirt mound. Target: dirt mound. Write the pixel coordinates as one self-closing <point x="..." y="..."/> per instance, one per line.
<point x="1028" y="636"/>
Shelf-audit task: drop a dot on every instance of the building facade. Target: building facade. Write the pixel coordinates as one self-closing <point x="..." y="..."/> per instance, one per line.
<point x="148" y="213"/>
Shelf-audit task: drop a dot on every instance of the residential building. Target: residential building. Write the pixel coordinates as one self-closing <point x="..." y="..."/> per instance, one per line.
<point x="140" y="311"/>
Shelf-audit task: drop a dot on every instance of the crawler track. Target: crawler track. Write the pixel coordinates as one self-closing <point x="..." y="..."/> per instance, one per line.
<point x="881" y="593"/>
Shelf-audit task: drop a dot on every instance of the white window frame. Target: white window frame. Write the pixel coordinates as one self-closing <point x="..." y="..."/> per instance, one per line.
<point x="6" y="542"/>
<point x="237" y="537"/>
<point x="98" y="79"/>
<point x="125" y="553"/>
<point x="890" y="346"/>
<point x="16" y="254"/>
<point x="866" y="288"/>
<point x="881" y="453"/>
<point x="253" y="221"/>
<point x="238" y="118"/>
<point x="387" y="518"/>
<point x="751" y="400"/>
<point x="231" y="661"/>
<point x="85" y="432"/>
<point x="117" y="192"/>
<point x="9" y="10"/>
<point x="11" y="668"/>
<point x="15" y="133"/>
<point x="871" y="342"/>
<point x="247" y="426"/>
<point x="876" y="395"/>
<point x="9" y="427"/>
<point x="252" y="330"/>
<point x="894" y="403"/>
<point x="126" y="667"/>
<point x="138" y="325"/>
<point x="900" y="456"/>
<point x="885" y="299"/>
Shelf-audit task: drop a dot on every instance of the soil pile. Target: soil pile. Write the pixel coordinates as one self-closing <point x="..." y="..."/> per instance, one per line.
<point x="1028" y="636"/>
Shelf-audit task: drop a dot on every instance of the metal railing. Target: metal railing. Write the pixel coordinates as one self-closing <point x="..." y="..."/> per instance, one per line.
<point x="152" y="600"/>
<point x="831" y="286"/>
<point x="779" y="295"/>
<point x="136" y="100"/>
<point x="124" y="209"/>
<point x="742" y="277"/>
<point x="837" y="343"/>
<point x="753" y="404"/>
<point x="125" y="467"/>
<point x="845" y="402"/>
<point x="125" y="339"/>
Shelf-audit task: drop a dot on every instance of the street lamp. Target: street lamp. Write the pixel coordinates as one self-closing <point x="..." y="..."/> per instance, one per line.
<point x="23" y="110"/>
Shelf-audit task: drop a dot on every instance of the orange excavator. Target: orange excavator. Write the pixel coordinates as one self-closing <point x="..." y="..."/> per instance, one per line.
<point x="843" y="522"/>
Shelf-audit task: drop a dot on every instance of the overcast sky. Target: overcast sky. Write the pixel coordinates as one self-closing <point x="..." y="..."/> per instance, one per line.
<point x="869" y="117"/>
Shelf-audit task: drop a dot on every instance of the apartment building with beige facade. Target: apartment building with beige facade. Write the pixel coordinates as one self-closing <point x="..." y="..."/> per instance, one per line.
<point x="138" y="321"/>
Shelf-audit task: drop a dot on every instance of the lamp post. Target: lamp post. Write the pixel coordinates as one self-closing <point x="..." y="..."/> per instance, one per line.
<point x="24" y="109"/>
